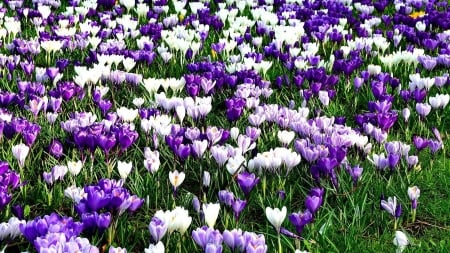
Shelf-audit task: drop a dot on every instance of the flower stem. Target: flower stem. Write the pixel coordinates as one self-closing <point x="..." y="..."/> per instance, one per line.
<point x="280" y="249"/>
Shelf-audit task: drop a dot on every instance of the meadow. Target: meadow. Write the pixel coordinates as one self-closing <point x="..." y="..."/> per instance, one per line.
<point x="224" y="126"/>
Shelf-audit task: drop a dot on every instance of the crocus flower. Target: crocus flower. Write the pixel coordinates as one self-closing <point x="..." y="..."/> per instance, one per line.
<point x="206" y="178"/>
<point x="423" y="109"/>
<point x="124" y="168"/>
<point x="420" y="143"/>
<point x="286" y="137"/>
<point x="238" y="206"/>
<point x="74" y="167"/>
<point x="413" y="194"/>
<point x="158" y="228"/>
<point x="437" y="134"/>
<point x="226" y="197"/>
<point x="247" y="182"/>
<point x="255" y="243"/>
<point x="276" y="217"/>
<point x="56" y="149"/>
<point x="355" y="173"/>
<point x="401" y="241"/>
<point x="313" y="203"/>
<point x="196" y="204"/>
<point x="235" y="163"/>
<point x="176" y="178"/>
<point x="20" y="152"/>
<point x="205" y="236"/>
<point x="178" y="219"/>
<point x="392" y="207"/>
<point x="211" y="212"/>
<point x="155" y="248"/>
<point x="113" y="249"/>
<point x="300" y="220"/>
<point x="234" y="239"/>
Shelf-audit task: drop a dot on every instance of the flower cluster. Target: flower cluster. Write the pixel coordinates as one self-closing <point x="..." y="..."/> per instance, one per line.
<point x="9" y="181"/>
<point x="55" y="232"/>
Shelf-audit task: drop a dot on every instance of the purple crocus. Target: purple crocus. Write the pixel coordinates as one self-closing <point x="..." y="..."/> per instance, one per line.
<point x="247" y="182"/>
<point x="300" y="220"/>
<point x="355" y="172"/>
<point x="393" y="160"/>
<point x="314" y="200"/>
<point x="238" y="206"/>
<point x="420" y="143"/>
<point x="55" y="149"/>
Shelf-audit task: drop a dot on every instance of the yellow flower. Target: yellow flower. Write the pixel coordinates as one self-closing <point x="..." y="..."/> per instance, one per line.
<point x="417" y="14"/>
<point x="213" y="54"/>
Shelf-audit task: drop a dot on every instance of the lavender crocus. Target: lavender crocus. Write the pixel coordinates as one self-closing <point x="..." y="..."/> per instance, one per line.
<point x="158" y="229"/>
<point x="234" y="239"/>
<point x="423" y="109"/>
<point x="393" y="208"/>
<point x="207" y="237"/>
<point x="420" y="143"/>
<point x="255" y="243"/>
<point x="355" y="172"/>
<point x="238" y="206"/>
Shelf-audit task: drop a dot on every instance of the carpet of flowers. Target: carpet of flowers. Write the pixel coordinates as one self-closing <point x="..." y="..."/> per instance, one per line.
<point x="223" y="126"/>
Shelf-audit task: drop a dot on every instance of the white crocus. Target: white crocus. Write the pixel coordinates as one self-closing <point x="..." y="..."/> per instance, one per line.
<point x="128" y="63"/>
<point x="20" y="152"/>
<point x="74" y="167"/>
<point x="206" y="178"/>
<point x="211" y="212"/>
<point x="324" y="98"/>
<point x="421" y="26"/>
<point x="151" y="162"/>
<point x="235" y="163"/>
<point x="374" y="69"/>
<point x="129" y="4"/>
<point x="142" y="9"/>
<point x="406" y="113"/>
<point x="138" y="102"/>
<point x="401" y="241"/>
<point x="181" y="113"/>
<point x="276" y="216"/>
<point x="286" y="137"/>
<point x="234" y="133"/>
<point x="176" y="178"/>
<point x="177" y="219"/>
<point x="126" y="114"/>
<point x="124" y="168"/>
<point x="76" y="194"/>
<point x="413" y="193"/>
<point x="44" y="10"/>
<point x="155" y="248"/>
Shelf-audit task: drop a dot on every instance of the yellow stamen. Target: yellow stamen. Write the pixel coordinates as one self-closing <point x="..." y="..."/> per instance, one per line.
<point x="417" y="14"/>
